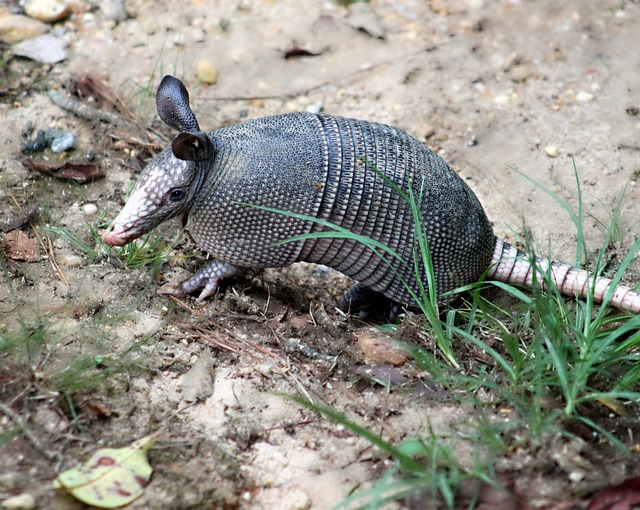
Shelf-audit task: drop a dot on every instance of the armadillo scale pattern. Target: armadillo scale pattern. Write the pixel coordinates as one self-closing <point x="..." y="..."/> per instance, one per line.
<point x="459" y="235"/>
<point x="271" y="162"/>
<point x="513" y="266"/>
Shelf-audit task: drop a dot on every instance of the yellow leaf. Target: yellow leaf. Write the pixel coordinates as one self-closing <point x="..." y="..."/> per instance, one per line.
<point x="112" y="477"/>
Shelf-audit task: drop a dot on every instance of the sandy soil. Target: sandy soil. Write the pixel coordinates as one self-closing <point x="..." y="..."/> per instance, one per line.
<point x="496" y="87"/>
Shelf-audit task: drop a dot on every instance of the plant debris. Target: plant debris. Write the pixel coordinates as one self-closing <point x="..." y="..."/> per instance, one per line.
<point x="66" y="170"/>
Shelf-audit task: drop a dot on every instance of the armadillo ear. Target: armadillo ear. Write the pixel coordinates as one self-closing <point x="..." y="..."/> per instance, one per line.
<point x="172" y="102"/>
<point x="191" y="147"/>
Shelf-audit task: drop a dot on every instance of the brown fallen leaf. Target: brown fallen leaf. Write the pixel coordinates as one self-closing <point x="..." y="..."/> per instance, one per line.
<point x="625" y="496"/>
<point x="18" y="246"/>
<point x="79" y="172"/>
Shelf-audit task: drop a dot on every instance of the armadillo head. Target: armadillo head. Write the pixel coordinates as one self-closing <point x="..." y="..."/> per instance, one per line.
<point x="167" y="186"/>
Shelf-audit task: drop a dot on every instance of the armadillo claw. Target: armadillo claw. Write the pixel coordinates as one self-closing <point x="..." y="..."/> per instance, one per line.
<point x="171" y="289"/>
<point x="207" y="279"/>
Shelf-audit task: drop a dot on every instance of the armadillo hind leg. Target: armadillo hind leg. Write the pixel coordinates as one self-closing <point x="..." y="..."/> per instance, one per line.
<point x="208" y="279"/>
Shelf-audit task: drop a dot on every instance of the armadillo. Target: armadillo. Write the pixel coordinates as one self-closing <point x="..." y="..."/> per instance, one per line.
<point x="320" y="169"/>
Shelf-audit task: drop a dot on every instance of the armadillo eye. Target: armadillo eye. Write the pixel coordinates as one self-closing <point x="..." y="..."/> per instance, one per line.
<point x="176" y="195"/>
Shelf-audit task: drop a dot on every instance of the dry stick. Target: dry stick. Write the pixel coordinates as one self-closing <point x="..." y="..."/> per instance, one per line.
<point x="47" y="249"/>
<point x="202" y="332"/>
<point x="82" y="109"/>
<point x="263" y="350"/>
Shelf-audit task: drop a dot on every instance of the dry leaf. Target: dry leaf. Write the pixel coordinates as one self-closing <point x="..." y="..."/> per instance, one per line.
<point x="19" y="246"/>
<point x="625" y="496"/>
<point x="79" y="172"/>
<point x="112" y="477"/>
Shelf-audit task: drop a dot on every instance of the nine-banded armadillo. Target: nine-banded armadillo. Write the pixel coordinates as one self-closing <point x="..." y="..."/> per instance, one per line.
<point x="319" y="166"/>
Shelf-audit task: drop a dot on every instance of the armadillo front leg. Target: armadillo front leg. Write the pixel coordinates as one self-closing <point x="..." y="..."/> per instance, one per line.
<point x="208" y="279"/>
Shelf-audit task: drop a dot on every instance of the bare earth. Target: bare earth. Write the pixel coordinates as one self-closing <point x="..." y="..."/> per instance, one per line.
<point x="493" y="86"/>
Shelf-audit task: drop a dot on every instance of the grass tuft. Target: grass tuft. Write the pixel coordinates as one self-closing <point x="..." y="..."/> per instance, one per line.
<point x="551" y="362"/>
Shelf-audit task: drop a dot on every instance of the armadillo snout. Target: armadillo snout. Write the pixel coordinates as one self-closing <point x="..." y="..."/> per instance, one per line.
<point x="118" y="237"/>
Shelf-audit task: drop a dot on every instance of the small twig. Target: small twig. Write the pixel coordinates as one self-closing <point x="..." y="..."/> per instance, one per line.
<point x="235" y="338"/>
<point x="83" y="110"/>
<point x="15" y="417"/>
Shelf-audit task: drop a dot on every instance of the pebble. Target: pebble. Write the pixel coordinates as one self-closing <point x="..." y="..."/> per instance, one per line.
<point x="63" y="142"/>
<point x="551" y="151"/>
<point x="48" y="11"/>
<point x="24" y="501"/>
<point x="114" y="10"/>
<point x="197" y="383"/>
<point x="521" y="72"/>
<point x="15" y="28"/>
<point x="314" y="108"/>
<point x="89" y="209"/>
<point x="584" y="97"/>
<point x="502" y="99"/>
<point x="71" y="261"/>
<point x="299" y="500"/>
<point x="206" y="72"/>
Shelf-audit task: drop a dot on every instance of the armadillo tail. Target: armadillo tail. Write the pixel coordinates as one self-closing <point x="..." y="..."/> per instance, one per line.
<point x="510" y="265"/>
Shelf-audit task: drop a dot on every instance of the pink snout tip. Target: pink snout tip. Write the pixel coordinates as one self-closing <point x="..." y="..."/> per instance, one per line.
<point x="116" y="238"/>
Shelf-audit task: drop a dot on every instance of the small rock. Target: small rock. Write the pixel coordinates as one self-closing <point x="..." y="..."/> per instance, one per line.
<point x="502" y="99"/>
<point x="551" y="151"/>
<point x="71" y="261"/>
<point x="584" y="97"/>
<point x="89" y="209"/>
<point x="24" y="501"/>
<point x="114" y="10"/>
<point x="521" y="72"/>
<point x="48" y="11"/>
<point x="50" y="421"/>
<point x="46" y="49"/>
<point x="314" y="108"/>
<point x="197" y="383"/>
<point x="63" y="142"/>
<point x="298" y="500"/>
<point x="15" y="28"/>
<point x="206" y="72"/>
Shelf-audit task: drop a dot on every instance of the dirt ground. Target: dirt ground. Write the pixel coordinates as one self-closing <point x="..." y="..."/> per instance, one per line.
<point x="498" y="88"/>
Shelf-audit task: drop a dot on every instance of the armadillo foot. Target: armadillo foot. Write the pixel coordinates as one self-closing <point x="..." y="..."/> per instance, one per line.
<point x="365" y="302"/>
<point x="207" y="279"/>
